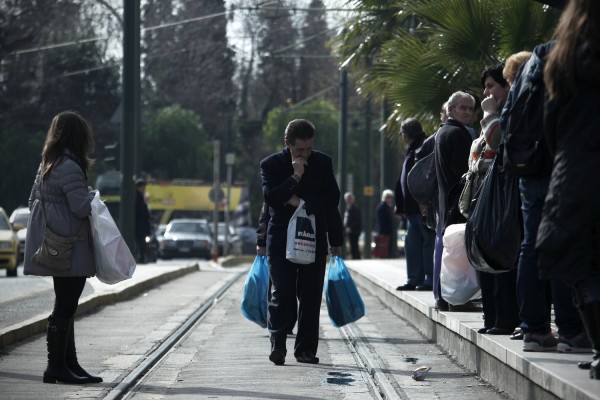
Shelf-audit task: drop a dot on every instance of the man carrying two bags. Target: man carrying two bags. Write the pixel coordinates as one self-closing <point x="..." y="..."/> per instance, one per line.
<point x="297" y="172"/>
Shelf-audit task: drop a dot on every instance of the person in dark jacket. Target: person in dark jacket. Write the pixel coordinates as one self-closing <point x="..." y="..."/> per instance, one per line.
<point x="568" y="239"/>
<point x="384" y="225"/>
<point x="142" y="220"/>
<point x="420" y="240"/>
<point x="452" y="145"/>
<point x="352" y="224"/>
<point x="535" y="295"/>
<point x="297" y="172"/>
<point x="60" y="200"/>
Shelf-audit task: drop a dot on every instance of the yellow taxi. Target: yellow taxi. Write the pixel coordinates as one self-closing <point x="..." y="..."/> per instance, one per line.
<point x="9" y="245"/>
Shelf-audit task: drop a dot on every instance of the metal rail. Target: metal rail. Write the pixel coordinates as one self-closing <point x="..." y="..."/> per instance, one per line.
<point x="127" y="385"/>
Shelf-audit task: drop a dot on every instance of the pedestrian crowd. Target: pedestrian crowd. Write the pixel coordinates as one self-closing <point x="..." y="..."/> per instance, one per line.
<point x="530" y="169"/>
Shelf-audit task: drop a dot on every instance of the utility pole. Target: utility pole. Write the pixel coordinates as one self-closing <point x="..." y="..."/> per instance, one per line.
<point x="130" y="125"/>
<point x="216" y="197"/>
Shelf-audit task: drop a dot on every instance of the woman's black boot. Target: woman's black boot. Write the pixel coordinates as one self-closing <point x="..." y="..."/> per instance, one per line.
<point x="56" y="337"/>
<point x="71" y="359"/>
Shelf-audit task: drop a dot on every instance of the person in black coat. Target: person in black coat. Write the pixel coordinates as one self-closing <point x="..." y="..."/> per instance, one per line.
<point x="452" y="146"/>
<point x="420" y="240"/>
<point x="568" y="239"/>
<point x="384" y="225"/>
<point x="297" y="172"/>
<point x="352" y="224"/>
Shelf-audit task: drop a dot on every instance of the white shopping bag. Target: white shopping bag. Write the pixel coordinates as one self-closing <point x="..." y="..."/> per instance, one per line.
<point x="458" y="279"/>
<point x="301" y="237"/>
<point x="114" y="261"/>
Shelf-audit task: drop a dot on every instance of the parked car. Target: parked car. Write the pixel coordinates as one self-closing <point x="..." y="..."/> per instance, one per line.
<point x="186" y="238"/>
<point x="20" y="217"/>
<point x="234" y="246"/>
<point x="247" y="235"/>
<point x="9" y="244"/>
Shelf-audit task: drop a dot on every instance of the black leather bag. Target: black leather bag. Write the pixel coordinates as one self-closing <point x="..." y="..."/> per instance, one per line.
<point x="494" y="230"/>
<point x="422" y="180"/>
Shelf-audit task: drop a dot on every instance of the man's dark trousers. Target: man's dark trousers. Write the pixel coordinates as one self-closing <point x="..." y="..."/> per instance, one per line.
<point x="285" y="278"/>
<point x="354" y="251"/>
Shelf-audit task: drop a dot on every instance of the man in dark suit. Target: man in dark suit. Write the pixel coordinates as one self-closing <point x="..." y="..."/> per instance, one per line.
<point x="452" y="147"/>
<point x="352" y="224"/>
<point x="297" y="172"/>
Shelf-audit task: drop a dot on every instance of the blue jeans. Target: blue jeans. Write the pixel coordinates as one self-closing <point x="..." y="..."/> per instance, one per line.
<point x="418" y="246"/>
<point x="532" y="291"/>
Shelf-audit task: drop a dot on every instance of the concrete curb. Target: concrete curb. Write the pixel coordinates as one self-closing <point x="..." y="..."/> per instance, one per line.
<point x="109" y="295"/>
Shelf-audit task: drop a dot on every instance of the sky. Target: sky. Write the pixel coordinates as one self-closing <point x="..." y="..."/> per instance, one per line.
<point x="241" y="44"/>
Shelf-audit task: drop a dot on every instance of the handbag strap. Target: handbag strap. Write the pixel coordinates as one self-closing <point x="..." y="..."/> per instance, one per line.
<point x="44" y="207"/>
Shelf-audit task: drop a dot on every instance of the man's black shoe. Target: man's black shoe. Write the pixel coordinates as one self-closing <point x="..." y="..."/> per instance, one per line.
<point x="499" y="331"/>
<point x="406" y="287"/>
<point x="277" y="357"/>
<point x="468" y="306"/>
<point x="307" y="358"/>
<point x="424" y="288"/>
<point x="441" y="305"/>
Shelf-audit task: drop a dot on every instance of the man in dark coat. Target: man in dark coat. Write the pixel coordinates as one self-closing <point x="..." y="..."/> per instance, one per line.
<point x="352" y="224"/>
<point x="452" y="146"/>
<point x="142" y="220"/>
<point x="297" y="172"/>
<point x="420" y="240"/>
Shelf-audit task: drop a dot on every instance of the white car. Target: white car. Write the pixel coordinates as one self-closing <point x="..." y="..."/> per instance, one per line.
<point x="20" y="218"/>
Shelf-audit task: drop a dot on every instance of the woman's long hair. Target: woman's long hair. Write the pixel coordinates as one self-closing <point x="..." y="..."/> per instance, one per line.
<point x="579" y="24"/>
<point x="68" y="131"/>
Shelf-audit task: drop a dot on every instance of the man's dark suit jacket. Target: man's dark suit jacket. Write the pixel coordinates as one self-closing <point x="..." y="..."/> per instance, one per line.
<point x="353" y="220"/>
<point x="318" y="188"/>
<point x="452" y="147"/>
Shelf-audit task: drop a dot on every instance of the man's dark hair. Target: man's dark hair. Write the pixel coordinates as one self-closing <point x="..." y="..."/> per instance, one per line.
<point x="299" y="129"/>
<point x="412" y="128"/>
<point x="494" y="72"/>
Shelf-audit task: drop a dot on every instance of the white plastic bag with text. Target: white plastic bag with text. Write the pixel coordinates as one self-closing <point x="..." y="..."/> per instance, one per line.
<point x="301" y="237"/>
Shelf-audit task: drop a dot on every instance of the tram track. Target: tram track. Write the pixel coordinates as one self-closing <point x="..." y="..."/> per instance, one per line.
<point x="128" y="384"/>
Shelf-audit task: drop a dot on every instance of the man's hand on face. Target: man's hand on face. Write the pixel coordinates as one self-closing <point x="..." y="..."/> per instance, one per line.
<point x="298" y="163"/>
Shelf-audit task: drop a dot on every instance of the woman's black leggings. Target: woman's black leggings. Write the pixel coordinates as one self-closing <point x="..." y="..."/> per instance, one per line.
<point x="67" y="289"/>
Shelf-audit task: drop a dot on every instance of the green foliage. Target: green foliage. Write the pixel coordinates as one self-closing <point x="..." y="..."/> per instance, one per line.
<point x="426" y="53"/>
<point x="176" y="146"/>
<point x="21" y="155"/>
<point x="321" y="113"/>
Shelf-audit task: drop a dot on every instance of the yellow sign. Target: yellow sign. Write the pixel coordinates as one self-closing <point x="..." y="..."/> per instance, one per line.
<point x="368" y="191"/>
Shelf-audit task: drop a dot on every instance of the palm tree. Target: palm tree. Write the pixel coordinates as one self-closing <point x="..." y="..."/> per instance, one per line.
<point x="431" y="48"/>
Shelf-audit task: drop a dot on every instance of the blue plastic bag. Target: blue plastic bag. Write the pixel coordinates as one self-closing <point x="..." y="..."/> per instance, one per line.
<point x="254" y="298"/>
<point x="344" y="304"/>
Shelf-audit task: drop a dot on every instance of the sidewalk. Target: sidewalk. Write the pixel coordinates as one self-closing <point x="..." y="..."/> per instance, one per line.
<point x="97" y="294"/>
<point x="497" y="359"/>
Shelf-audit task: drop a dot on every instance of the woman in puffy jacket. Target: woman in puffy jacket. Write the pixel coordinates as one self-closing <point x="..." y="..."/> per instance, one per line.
<point x="568" y="240"/>
<point x="60" y="203"/>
